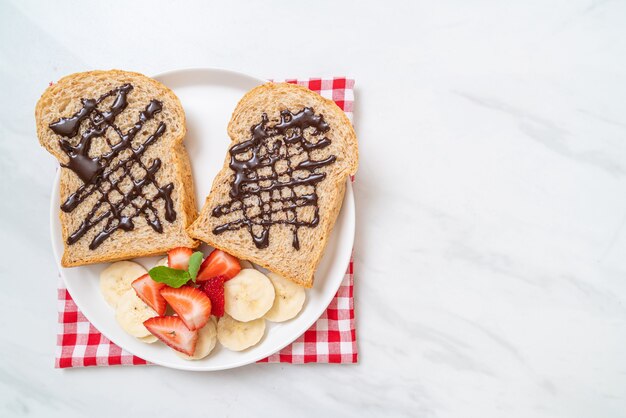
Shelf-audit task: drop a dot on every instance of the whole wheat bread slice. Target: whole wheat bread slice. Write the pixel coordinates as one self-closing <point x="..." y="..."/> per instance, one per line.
<point x="93" y="186"/>
<point x="278" y="231"/>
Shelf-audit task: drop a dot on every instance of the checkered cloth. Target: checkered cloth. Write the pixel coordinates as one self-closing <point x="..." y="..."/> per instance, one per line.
<point x="332" y="339"/>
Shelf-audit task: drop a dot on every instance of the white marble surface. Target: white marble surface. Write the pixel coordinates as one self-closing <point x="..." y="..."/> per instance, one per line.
<point x="491" y="198"/>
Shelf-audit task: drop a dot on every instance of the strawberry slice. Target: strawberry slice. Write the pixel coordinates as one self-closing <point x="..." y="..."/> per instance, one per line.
<point x="178" y="258"/>
<point x="218" y="263"/>
<point x="191" y="305"/>
<point x="173" y="332"/>
<point x="214" y="289"/>
<point x="150" y="292"/>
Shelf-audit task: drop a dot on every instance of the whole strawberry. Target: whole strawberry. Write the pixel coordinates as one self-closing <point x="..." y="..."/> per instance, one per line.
<point x="214" y="289"/>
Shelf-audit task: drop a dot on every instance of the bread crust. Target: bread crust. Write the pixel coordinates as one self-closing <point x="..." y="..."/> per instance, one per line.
<point x="291" y="97"/>
<point x="183" y="182"/>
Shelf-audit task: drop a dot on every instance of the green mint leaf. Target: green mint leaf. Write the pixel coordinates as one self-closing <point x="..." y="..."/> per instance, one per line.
<point x="171" y="277"/>
<point x="194" y="264"/>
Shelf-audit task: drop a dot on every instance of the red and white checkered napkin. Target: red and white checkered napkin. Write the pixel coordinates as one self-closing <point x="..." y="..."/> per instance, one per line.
<point x="331" y="339"/>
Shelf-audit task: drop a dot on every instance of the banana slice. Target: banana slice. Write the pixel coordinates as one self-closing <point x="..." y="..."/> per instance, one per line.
<point x="289" y="299"/>
<point x="162" y="262"/>
<point x="115" y="280"/>
<point x="245" y="264"/>
<point x="131" y="312"/>
<point x="149" y="339"/>
<point x="248" y="295"/>
<point x="238" y="336"/>
<point x="207" y="338"/>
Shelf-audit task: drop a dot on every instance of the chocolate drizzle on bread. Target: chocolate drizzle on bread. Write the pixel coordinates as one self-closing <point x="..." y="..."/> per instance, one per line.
<point x="263" y="189"/>
<point x="103" y="175"/>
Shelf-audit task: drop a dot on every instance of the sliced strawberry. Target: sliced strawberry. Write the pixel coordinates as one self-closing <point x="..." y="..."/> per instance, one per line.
<point x="173" y="332"/>
<point x="178" y="258"/>
<point x="191" y="305"/>
<point x="150" y="292"/>
<point x="214" y="289"/>
<point x="218" y="263"/>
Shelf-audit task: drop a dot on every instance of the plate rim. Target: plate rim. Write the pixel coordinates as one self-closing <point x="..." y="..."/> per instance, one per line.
<point x="347" y="204"/>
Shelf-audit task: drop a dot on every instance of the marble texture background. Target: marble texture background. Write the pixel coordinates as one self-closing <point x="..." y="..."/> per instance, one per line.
<point x="491" y="203"/>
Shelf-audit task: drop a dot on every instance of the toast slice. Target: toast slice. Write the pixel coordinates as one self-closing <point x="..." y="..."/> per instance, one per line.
<point x="277" y="197"/>
<point x="126" y="186"/>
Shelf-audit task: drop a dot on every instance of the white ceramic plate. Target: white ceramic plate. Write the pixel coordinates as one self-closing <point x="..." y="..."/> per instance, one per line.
<point x="209" y="96"/>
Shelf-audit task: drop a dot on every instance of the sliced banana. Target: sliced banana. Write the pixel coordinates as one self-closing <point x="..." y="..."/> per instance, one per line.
<point x="248" y="295"/>
<point x="131" y="312"/>
<point x="115" y="280"/>
<point x="207" y="338"/>
<point x="288" y="301"/>
<point x="149" y="339"/>
<point x="238" y="336"/>
<point x="162" y="262"/>
<point x="245" y="264"/>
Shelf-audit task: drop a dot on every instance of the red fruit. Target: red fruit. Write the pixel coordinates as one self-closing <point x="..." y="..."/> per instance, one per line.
<point x="150" y="292"/>
<point x="218" y="263"/>
<point x="178" y="258"/>
<point x="191" y="305"/>
<point x="214" y="289"/>
<point x="173" y="332"/>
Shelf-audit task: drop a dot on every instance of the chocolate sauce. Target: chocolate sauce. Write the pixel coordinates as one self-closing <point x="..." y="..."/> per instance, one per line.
<point x="247" y="181"/>
<point x="103" y="175"/>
